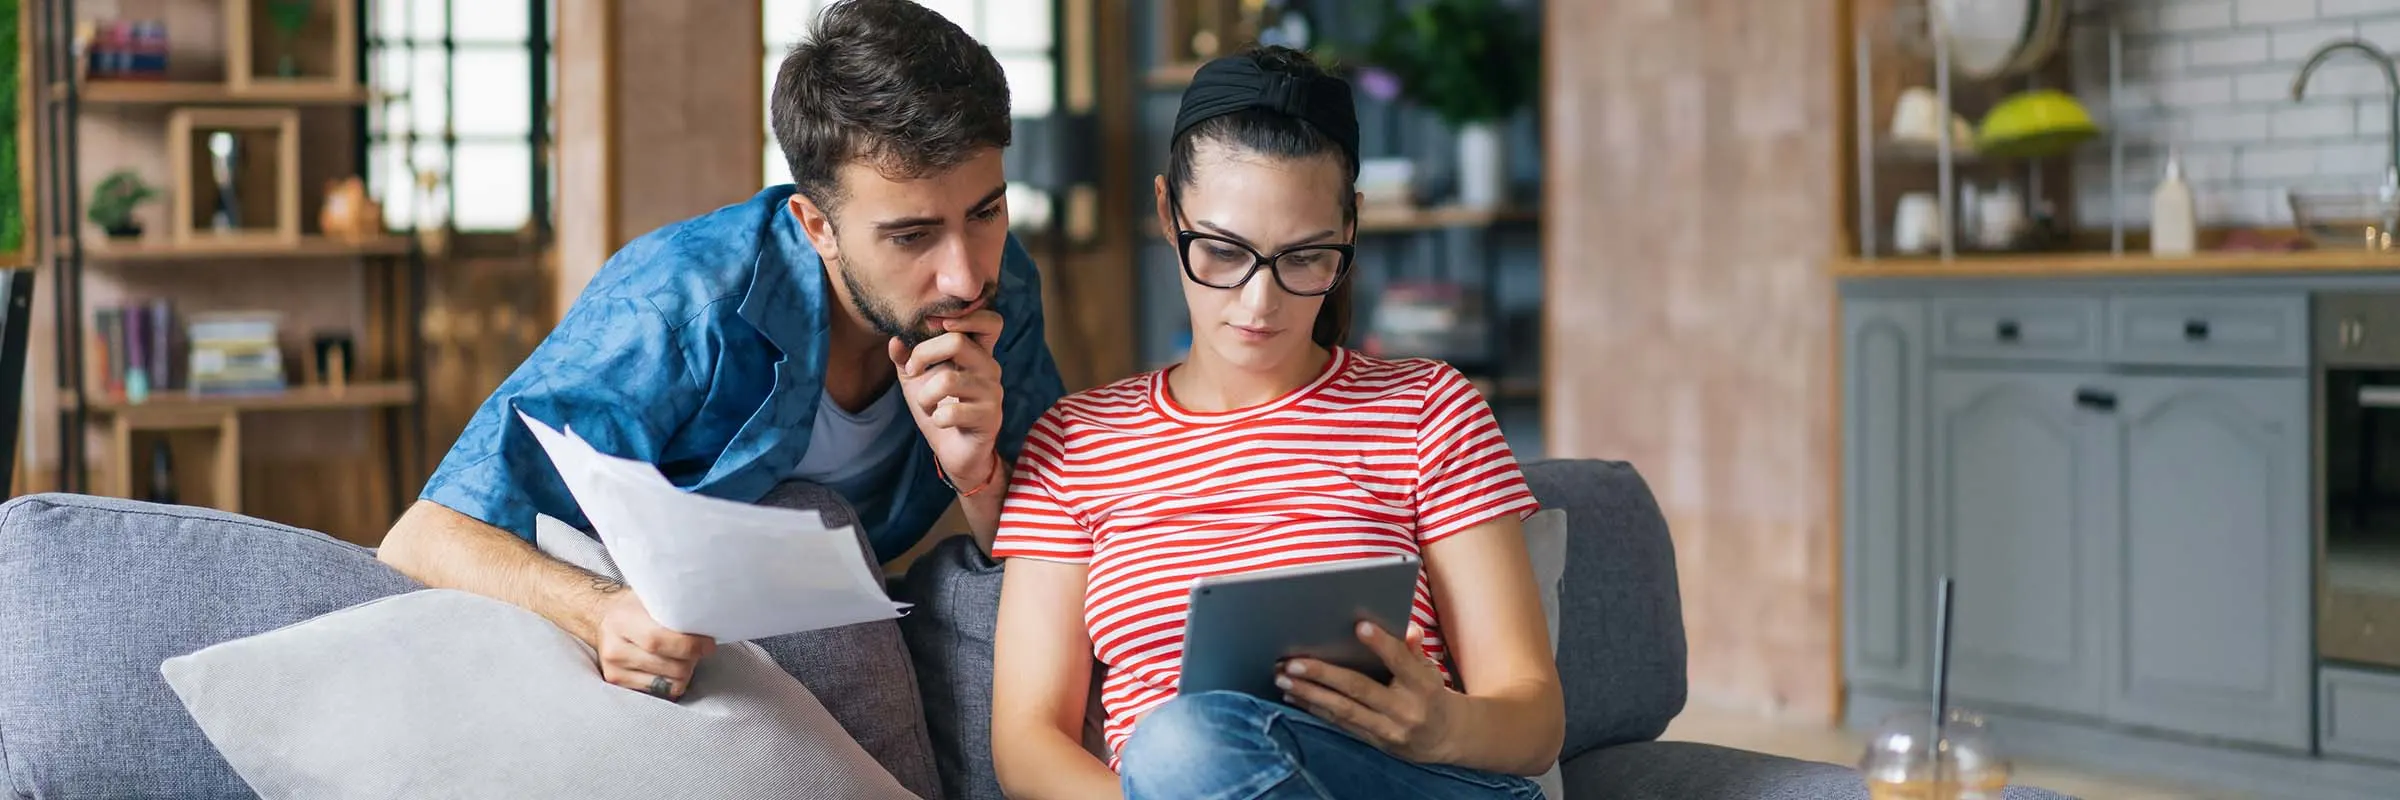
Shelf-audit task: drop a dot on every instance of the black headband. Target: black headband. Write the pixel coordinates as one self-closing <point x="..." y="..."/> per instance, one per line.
<point x="1234" y="83"/>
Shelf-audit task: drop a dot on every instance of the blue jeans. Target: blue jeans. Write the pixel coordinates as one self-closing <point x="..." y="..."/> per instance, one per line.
<point x="1231" y="746"/>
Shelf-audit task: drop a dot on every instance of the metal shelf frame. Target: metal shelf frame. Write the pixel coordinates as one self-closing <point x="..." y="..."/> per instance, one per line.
<point x="1946" y="156"/>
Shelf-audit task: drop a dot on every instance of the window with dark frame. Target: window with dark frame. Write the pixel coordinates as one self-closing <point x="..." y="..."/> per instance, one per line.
<point x="1019" y="34"/>
<point x="466" y="153"/>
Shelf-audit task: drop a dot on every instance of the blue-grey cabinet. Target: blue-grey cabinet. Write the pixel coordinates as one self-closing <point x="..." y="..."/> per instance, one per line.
<point x="2214" y="629"/>
<point x="2117" y="484"/>
<point x="1883" y="504"/>
<point x="2022" y="501"/>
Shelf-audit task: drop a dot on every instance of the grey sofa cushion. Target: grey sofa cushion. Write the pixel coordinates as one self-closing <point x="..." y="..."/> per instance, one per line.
<point x="1621" y="646"/>
<point x="443" y="692"/>
<point x="862" y="673"/>
<point x="96" y="592"/>
<point x="956" y="592"/>
<point x="1680" y="770"/>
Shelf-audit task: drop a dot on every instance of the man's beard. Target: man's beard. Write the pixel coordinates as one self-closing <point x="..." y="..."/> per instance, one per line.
<point x="885" y="319"/>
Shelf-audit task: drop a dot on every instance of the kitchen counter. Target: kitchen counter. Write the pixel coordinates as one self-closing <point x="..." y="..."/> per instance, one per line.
<point x="2102" y="264"/>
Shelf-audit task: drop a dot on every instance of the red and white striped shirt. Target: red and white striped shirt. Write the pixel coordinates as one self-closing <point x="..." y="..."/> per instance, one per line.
<point x="1373" y="458"/>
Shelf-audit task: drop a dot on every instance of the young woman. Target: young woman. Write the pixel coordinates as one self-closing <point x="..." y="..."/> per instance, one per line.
<point x="1269" y="446"/>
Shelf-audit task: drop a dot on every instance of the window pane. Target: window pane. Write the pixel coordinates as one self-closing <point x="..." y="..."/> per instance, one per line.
<point x="425" y="19"/>
<point x="434" y="207"/>
<point x="496" y="99"/>
<point x="786" y="21"/>
<point x="494" y="185"/>
<point x="396" y="19"/>
<point x="490" y="21"/>
<point x="1029" y="91"/>
<point x="425" y="88"/>
<point x="388" y="177"/>
<point x="766" y="105"/>
<point x="389" y="68"/>
<point x="389" y="117"/>
<point x="1028" y="207"/>
<point x="1018" y="24"/>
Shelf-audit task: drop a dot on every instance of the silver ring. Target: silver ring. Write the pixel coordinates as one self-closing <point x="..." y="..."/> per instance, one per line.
<point x="660" y="686"/>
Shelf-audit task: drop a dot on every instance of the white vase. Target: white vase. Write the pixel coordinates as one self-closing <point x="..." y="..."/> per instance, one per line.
<point x="1482" y="166"/>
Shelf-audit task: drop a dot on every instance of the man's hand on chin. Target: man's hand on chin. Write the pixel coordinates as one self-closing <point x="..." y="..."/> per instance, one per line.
<point x="952" y="382"/>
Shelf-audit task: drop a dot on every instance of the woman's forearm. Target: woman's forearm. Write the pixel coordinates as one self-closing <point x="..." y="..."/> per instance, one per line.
<point x="1045" y="763"/>
<point x="1517" y="730"/>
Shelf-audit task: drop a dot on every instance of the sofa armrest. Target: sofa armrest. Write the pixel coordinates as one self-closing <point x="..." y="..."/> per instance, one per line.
<point x="1674" y="770"/>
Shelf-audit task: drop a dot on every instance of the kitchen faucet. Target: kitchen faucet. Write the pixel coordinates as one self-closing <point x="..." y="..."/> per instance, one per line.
<point x="2391" y="98"/>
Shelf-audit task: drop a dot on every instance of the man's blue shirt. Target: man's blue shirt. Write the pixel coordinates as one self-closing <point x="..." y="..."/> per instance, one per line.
<point x="700" y="348"/>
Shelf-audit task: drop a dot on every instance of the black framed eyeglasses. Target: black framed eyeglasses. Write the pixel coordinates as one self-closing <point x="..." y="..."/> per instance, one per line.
<point x="1220" y="262"/>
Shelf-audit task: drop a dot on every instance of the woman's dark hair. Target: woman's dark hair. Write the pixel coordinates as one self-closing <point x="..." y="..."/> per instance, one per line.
<point x="890" y="82"/>
<point x="1281" y="136"/>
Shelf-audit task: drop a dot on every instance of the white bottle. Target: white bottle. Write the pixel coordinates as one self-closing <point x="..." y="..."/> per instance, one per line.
<point x="2171" y="223"/>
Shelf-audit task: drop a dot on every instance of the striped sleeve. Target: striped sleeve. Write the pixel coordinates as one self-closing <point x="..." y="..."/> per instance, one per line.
<point x="1034" y="521"/>
<point x="1466" y="476"/>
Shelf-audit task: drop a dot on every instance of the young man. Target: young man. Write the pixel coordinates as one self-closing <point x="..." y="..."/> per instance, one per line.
<point x="872" y="327"/>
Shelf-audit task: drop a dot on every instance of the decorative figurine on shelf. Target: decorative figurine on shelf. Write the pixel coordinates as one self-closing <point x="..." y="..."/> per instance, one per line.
<point x="114" y="200"/>
<point x="224" y="163"/>
<point x="333" y="359"/>
<point x="288" y="17"/>
<point x="349" y="213"/>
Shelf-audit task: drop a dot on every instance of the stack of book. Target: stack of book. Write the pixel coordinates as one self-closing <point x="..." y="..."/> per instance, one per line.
<point x="124" y="49"/>
<point x="132" y="349"/>
<point x="235" y="352"/>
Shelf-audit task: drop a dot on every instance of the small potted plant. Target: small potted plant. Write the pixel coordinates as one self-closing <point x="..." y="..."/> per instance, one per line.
<point x="1474" y="63"/>
<point x="115" y="199"/>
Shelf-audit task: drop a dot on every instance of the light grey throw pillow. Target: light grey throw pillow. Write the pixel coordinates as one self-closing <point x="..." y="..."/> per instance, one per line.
<point x="451" y="694"/>
<point x="1546" y="543"/>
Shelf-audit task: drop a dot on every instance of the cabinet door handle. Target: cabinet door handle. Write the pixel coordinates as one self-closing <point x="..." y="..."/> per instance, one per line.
<point x="2096" y="399"/>
<point x="2006" y="330"/>
<point x="2379" y="397"/>
<point x="2195" y="330"/>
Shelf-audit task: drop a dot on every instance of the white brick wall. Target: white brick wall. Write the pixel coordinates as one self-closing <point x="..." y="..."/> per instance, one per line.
<point x="2214" y="77"/>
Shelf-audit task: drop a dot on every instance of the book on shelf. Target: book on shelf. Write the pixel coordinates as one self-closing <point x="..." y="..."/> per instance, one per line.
<point x="131" y="349"/>
<point x="235" y="352"/>
<point x="134" y="350"/>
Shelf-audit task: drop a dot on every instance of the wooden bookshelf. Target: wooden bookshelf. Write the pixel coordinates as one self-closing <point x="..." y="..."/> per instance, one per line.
<point x="1172" y="76"/>
<point x="1430" y="218"/>
<point x="1513" y="387"/>
<point x="171" y="93"/>
<point x="1373" y="219"/>
<point x="161" y="249"/>
<point x="300" y="397"/>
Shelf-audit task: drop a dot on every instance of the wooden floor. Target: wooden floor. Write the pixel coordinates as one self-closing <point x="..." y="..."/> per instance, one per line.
<point x="1824" y="743"/>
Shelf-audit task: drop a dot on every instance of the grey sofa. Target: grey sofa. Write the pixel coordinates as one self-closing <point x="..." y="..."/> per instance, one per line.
<point x="95" y="593"/>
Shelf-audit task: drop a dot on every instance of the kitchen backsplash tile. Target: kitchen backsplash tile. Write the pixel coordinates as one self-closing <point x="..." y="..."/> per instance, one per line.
<point x="2215" y="77"/>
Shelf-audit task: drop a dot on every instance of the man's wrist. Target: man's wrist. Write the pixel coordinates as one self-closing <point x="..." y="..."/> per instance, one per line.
<point x="967" y="485"/>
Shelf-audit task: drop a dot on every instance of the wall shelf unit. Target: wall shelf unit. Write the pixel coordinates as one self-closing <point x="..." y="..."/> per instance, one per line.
<point x="136" y="93"/>
<point x="307" y="246"/>
<point x="381" y="394"/>
<point x="305" y="93"/>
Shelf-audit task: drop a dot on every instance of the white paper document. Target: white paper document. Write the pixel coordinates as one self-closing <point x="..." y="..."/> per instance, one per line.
<point x="713" y="567"/>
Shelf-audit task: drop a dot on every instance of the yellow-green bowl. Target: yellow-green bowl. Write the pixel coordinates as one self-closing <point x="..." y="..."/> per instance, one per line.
<point x="2034" y="124"/>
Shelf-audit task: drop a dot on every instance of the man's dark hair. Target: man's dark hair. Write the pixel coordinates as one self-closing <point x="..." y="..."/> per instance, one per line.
<point x="1280" y="136"/>
<point x="889" y="82"/>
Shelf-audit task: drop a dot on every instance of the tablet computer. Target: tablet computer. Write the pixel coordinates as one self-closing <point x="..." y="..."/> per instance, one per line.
<point x="1239" y="627"/>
